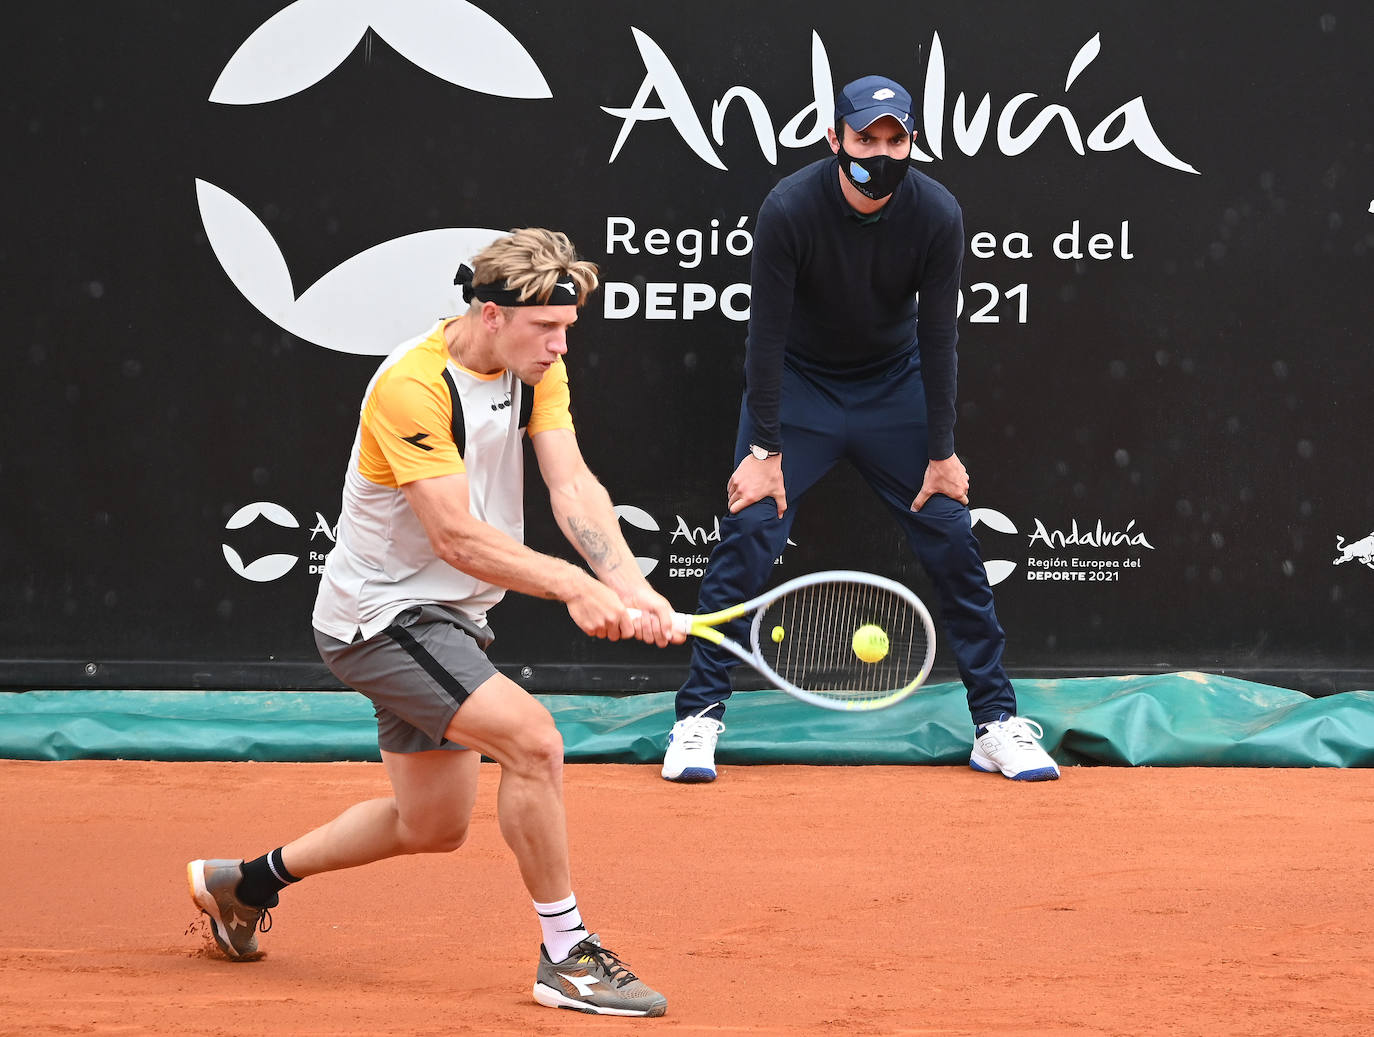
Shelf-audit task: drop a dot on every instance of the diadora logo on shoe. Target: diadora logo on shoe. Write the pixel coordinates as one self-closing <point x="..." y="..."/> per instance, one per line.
<point x="1361" y="550"/>
<point x="369" y="302"/>
<point x="233" y="920"/>
<point x="583" y="982"/>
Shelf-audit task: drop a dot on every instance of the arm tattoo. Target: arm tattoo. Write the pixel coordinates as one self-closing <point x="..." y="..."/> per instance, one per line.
<point x="592" y="542"/>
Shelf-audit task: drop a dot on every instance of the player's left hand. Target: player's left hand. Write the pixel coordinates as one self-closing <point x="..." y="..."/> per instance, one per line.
<point x="949" y="477"/>
<point x="655" y="623"/>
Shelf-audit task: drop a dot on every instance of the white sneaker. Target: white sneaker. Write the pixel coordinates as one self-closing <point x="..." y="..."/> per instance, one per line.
<point x="691" y="755"/>
<point x="1009" y="745"/>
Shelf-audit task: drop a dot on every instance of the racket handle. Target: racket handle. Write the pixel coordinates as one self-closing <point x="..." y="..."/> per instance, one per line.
<point x="681" y="623"/>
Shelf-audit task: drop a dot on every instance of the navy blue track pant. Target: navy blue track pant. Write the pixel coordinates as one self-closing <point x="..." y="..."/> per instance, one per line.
<point x="878" y="425"/>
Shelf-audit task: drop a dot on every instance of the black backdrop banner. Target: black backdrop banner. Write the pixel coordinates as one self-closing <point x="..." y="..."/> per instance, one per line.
<point x="219" y="216"/>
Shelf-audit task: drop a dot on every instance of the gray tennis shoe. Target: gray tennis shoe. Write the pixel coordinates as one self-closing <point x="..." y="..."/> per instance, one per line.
<point x="592" y="979"/>
<point x="235" y="925"/>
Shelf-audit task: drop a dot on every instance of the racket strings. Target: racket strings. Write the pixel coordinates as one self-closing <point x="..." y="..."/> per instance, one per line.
<point x="816" y="649"/>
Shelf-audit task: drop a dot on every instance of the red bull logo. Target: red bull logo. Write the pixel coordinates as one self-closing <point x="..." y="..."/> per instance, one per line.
<point x="1361" y="550"/>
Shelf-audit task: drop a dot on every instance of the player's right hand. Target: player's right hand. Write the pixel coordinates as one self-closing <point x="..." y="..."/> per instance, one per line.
<point x="754" y="480"/>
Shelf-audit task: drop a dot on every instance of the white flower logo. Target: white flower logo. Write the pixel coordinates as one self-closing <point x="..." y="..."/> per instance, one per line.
<point x="998" y="569"/>
<point x="373" y="300"/>
<point x="640" y="519"/>
<point x="301" y="44"/>
<point x="366" y="304"/>
<point x="269" y="567"/>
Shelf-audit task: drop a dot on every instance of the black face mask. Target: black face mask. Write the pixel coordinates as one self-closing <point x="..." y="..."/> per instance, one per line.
<point x="875" y="177"/>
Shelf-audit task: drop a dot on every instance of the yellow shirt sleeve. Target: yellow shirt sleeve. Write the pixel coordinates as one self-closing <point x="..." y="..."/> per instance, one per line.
<point x="407" y="431"/>
<point x="552" y="400"/>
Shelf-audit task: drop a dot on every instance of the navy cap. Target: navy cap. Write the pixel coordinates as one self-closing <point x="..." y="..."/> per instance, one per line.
<point x="865" y="101"/>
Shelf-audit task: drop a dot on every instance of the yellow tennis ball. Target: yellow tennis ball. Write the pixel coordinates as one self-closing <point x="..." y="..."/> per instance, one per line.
<point x="778" y="635"/>
<point x="870" y="643"/>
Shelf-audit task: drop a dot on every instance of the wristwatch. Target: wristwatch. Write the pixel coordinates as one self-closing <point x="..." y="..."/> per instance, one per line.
<point x="761" y="453"/>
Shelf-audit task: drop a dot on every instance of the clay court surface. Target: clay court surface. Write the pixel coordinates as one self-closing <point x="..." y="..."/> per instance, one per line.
<point x="866" y="900"/>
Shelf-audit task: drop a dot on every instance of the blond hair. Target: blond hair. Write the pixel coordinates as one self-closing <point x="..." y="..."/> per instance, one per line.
<point x="530" y="260"/>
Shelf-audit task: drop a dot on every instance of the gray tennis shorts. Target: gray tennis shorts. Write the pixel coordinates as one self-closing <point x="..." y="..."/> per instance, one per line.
<point x="417" y="672"/>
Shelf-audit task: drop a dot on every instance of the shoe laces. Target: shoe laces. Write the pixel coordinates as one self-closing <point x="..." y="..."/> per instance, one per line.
<point x="264" y="920"/>
<point x="1021" y="730"/>
<point x="697" y="730"/>
<point x="617" y="973"/>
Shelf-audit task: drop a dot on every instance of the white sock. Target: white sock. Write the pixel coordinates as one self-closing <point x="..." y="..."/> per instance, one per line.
<point x="562" y="925"/>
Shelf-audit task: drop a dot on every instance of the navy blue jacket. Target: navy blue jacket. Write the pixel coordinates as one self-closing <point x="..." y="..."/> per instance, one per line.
<point x="837" y="292"/>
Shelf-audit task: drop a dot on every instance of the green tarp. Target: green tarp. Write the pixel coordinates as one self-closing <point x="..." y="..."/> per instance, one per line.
<point x="1169" y="720"/>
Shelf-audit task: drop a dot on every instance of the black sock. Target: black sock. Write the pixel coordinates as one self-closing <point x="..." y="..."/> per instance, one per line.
<point x="262" y="879"/>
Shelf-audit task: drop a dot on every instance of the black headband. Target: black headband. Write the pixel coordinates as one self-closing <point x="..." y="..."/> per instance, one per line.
<point x="563" y="293"/>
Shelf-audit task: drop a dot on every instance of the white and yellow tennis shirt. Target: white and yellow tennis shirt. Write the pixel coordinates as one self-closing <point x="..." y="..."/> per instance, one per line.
<point x="425" y="415"/>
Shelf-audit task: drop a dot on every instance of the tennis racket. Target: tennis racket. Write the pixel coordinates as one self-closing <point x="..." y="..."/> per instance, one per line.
<point x="840" y="640"/>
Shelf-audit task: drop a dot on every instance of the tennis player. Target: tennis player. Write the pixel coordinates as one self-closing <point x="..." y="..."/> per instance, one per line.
<point x="430" y="538"/>
<point x="851" y="354"/>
